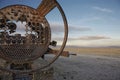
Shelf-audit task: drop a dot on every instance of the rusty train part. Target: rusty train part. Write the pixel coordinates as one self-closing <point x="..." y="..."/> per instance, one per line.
<point x="34" y="43"/>
<point x="36" y="39"/>
<point x="46" y="6"/>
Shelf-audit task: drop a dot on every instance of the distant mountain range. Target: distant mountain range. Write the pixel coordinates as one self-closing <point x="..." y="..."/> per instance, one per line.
<point x="92" y="47"/>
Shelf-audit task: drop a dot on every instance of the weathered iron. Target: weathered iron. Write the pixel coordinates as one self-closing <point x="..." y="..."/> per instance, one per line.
<point x="20" y="50"/>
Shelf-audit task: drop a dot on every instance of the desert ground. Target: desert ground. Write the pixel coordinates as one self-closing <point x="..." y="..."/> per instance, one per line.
<point x="89" y="64"/>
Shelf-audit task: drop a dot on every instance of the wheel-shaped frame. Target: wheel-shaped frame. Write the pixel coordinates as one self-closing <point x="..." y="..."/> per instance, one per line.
<point x="51" y="4"/>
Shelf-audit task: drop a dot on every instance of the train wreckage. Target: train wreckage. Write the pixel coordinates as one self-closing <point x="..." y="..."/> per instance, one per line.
<point x="18" y="51"/>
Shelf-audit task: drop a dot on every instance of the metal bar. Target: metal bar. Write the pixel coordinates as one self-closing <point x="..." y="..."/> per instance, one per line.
<point x="46" y="6"/>
<point x="55" y="52"/>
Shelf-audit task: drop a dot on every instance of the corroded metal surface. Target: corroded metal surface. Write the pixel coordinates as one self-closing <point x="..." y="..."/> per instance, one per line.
<point x="46" y="74"/>
<point x="33" y="39"/>
<point x="46" y="6"/>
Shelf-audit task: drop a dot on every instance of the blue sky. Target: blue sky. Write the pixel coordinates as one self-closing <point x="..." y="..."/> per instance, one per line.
<point x="91" y="22"/>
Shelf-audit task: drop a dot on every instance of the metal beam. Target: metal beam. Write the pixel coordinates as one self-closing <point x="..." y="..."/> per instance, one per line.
<point x="46" y="6"/>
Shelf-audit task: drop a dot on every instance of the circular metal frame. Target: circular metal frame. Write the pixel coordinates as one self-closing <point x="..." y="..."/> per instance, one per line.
<point x="28" y="51"/>
<point x="61" y="48"/>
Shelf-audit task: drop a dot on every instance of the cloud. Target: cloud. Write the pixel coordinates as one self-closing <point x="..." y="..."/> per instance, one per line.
<point x="89" y="19"/>
<point x="21" y="26"/>
<point x="93" y="37"/>
<point x="72" y="28"/>
<point x="102" y="9"/>
<point x="90" y="41"/>
<point x="84" y="38"/>
<point x="58" y="28"/>
<point x="94" y="43"/>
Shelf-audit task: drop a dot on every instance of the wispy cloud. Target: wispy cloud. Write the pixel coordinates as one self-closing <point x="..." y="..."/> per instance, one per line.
<point x="90" y="41"/>
<point x="102" y="9"/>
<point x="85" y="38"/>
<point x="58" y="28"/>
<point x="94" y="37"/>
<point x="89" y="19"/>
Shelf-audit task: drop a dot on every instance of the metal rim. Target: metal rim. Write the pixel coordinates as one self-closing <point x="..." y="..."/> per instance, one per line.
<point x="64" y="41"/>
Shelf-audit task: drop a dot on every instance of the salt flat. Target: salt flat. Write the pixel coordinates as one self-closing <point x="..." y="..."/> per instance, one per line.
<point x="87" y="67"/>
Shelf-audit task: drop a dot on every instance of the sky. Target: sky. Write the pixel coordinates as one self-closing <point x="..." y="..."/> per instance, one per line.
<point x="92" y="23"/>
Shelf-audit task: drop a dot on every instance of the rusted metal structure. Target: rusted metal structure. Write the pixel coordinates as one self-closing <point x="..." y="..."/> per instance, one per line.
<point x="20" y="51"/>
